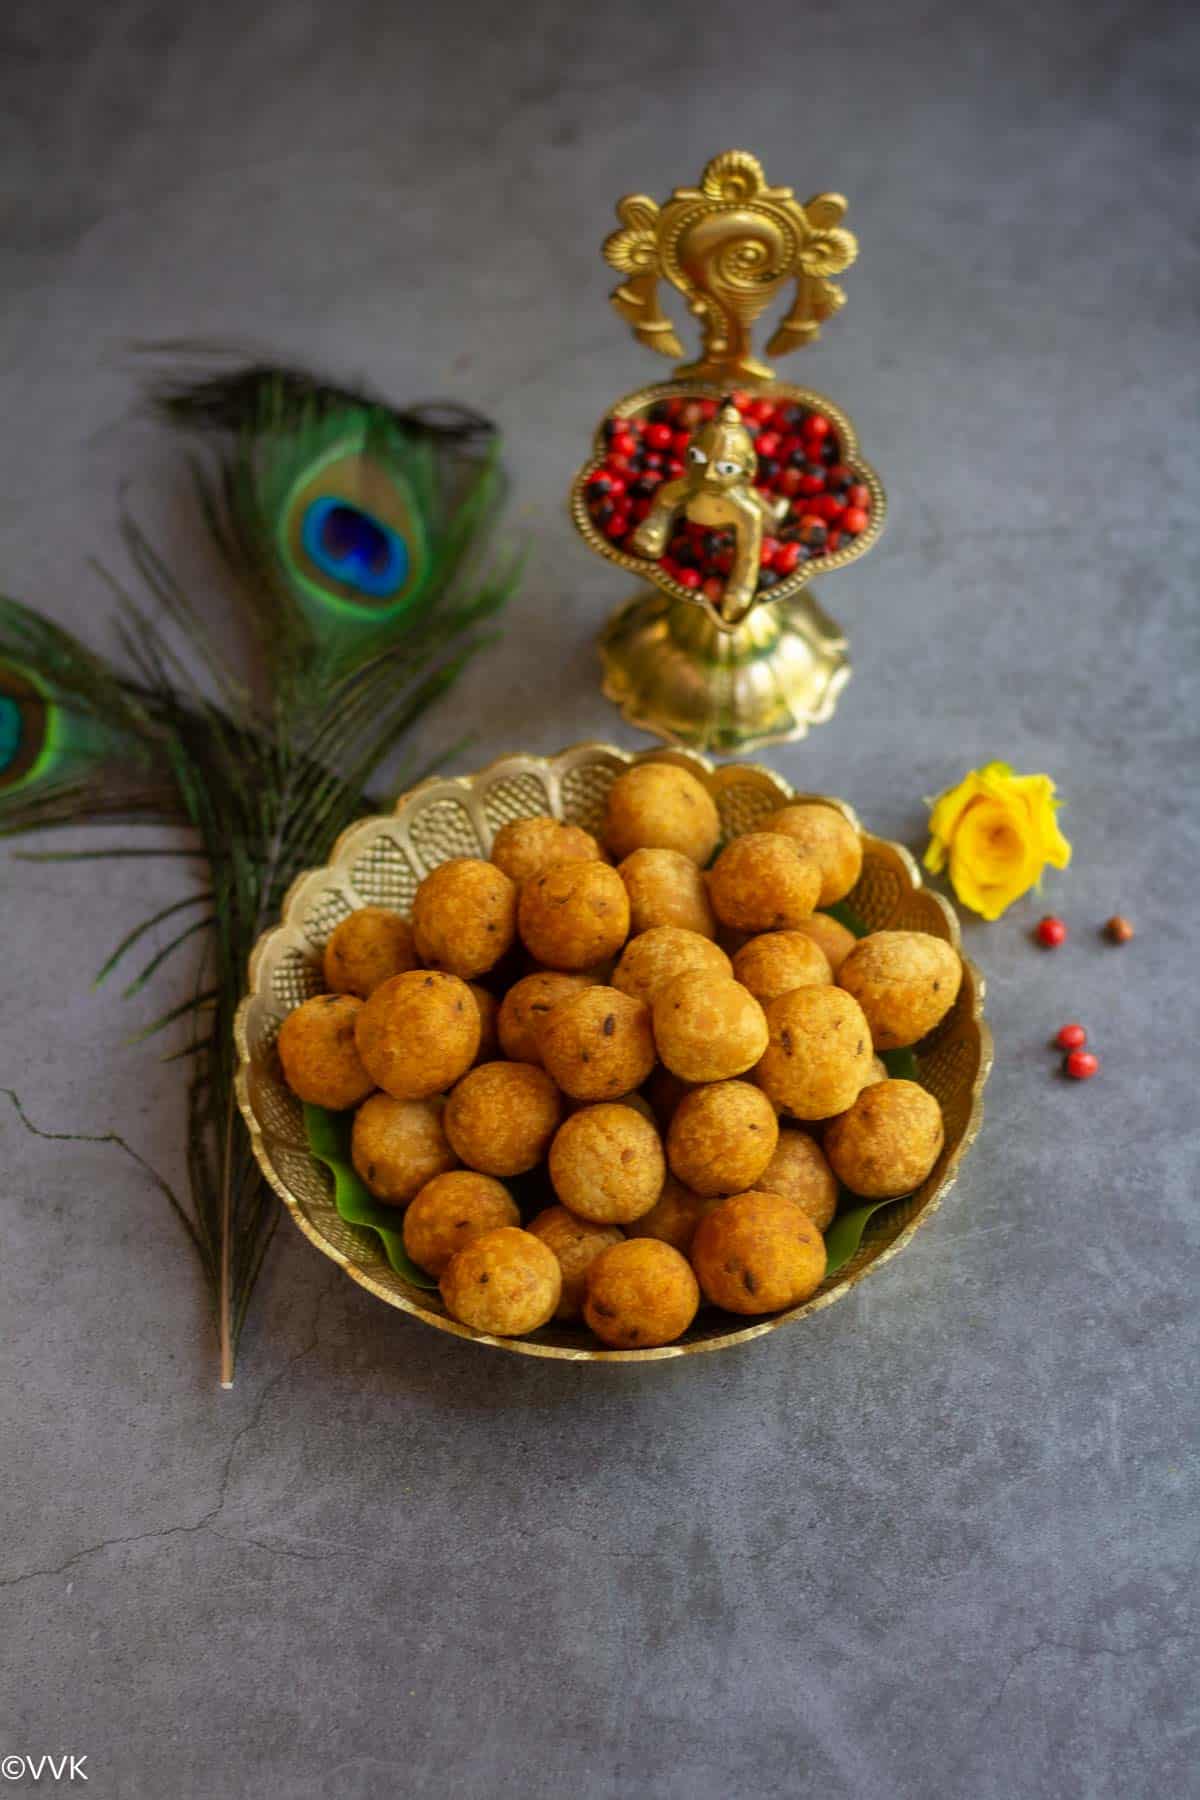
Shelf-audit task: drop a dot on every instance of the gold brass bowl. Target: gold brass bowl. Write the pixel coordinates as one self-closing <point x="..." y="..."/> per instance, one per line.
<point x="792" y="585"/>
<point x="380" y="861"/>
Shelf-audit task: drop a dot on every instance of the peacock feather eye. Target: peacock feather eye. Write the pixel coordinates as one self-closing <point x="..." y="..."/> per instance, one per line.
<point x="351" y="533"/>
<point x="24" y="727"/>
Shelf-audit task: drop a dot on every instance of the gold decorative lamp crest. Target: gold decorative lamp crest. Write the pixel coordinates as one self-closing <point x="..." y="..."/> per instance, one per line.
<point x="725" y="488"/>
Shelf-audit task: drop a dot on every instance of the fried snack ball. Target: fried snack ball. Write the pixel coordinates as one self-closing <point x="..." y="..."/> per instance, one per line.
<point x="598" y="1044"/>
<point x="506" y="1282"/>
<point x="757" y="1253"/>
<point x="722" y="1137"/>
<point x="322" y="1063"/>
<point x="464" y="916"/>
<point x="501" y="1117"/>
<point x="640" y="1294"/>
<point x="834" y="938"/>
<point x="826" y="837"/>
<point x="649" y="961"/>
<point x="666" y="888"/>
<point x="576" y="1243"/>
<point x="888" y="1141"/>
<point x="366" y="949"/>
<point x="525" y="1007"/>
<point x="418" y="1033"/>
<point x="708" y="1027"/>
<point x="398" y="1145"/>
<point x="761" y="882"/>
<point x="527" y="847"/>
<point x="819" y="1055"/>
<point x="607" y="1164"/>
<point x="574" y="915"/>
<point x="659" y="806"/>
<point x="673" y="1217"/>
<point x="905" y="982"/>
<point x="452" y="1209"/>
<point x="489" y="1022"/>
<point x="799" y="1171"/>
<point x="779" y="961"/>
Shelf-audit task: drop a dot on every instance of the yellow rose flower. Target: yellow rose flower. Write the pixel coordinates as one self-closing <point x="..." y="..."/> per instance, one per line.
<point x="996" y="831"/>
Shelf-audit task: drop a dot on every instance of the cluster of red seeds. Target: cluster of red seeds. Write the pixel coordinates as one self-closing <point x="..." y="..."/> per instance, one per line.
<point x="799" y="458"/>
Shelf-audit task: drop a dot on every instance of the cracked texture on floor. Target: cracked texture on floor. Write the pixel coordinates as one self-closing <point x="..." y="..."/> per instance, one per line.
<point x="940" y="1541"/>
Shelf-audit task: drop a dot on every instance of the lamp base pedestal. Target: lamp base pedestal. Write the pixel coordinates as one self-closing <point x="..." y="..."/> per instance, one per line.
<point x="680" y="677"/>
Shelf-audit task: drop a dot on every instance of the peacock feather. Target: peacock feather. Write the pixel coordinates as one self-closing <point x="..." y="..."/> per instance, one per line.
<point x="355" y="531"/>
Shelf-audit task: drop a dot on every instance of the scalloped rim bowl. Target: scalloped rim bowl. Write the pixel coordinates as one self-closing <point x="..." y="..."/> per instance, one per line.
<point x="379" y="861"/>
<point x="807" y="571"/>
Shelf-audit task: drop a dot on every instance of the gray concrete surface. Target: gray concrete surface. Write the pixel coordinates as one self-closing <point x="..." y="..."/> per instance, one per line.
<point x="939" y="1543"/>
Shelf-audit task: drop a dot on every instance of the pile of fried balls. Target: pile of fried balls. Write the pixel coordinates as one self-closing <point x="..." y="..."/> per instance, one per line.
<point x="687" y="1051"/>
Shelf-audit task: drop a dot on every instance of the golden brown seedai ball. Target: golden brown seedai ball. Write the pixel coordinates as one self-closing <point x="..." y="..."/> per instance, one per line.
<point x="761" y="882"/>
<point x="757" y="1253"/>
<point x="826" y="837"/>
<point x="527" y="847"/>
<point x="489" y="1022"/>
<point x="660" y="806"/>
<point x="418" y="1033"/>
<point x="506" y="1283"/>
<point x="834" y="938"/>
<point x="321" y="1060"/>
<point x="367" y="949"/>
<point x="708" y="1027"/>
<point x="598" y="1044"/>
<point x="501" y="1117"/>
<point x="800" y="1171"/>
<point x="574" y="915"/>
<point x="888" y="1141"/>
<point x="525" y="1007"/>
<point x="657" y="956"/>
<point x="576" y="1243"/>
<point x="673" y="1217"/>
<point x="398" y="1145"/>
<point x="779" y="961"/>
<point x="819" y="1055"/>
<point x="607" y="1164"/>
<point x="666" y="888"/>
<point x="452" y="1209"/>
<point x="640" y="1294"/>
<point x="722" y="1137"/>
<point x="905" y="982"/>
<point x="464" y="916"/>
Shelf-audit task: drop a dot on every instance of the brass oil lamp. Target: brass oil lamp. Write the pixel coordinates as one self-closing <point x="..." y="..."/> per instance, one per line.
<point x="725" y="646"/>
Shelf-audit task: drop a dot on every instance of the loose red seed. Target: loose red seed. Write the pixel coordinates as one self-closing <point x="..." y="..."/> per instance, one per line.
<point x="1050" y="932"/>
<point x="688" y="578"/>
<point x="708" y="409"/>
<point x="768" y="443"/>
<point x="680" y="441"/>
<point x="761" y="411"/>
<point x="768" y="552"/>
<point x="787" y="558"/>
<point x="741" y="399"/>
<point x="1081" y="1065"/>
<point x="658" y="437"/>
<point x="789" y="482"/>
<point x="833" y="540"/>
<point x="1071" y="1037"/>
<point x="817" y="425"/>
<point x="812" y="484"/>
<point x="618" y="525"/>
<point x="855" y="520"/>
<point x="1118" y="929"/>
<point x="860" y="496"/>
